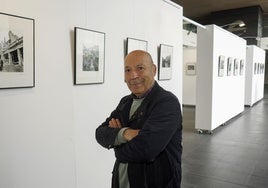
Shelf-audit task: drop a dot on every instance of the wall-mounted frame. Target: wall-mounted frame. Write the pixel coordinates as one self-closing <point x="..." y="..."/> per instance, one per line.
<point x="229" y="66"/>
<point x="89" y="56"/>
<point x="255" y="68"/>
<point x="191" y="69"/>
<point x="236" y="66"/>
<point x="136" y="44"/>
<point x="262" y="68"/>
<point x="165" y="62"/>
<point x="258" y="68"/>
<point x="17" y="51"/>
<point x="242" y="67"/>
<point x="221" y="66"/>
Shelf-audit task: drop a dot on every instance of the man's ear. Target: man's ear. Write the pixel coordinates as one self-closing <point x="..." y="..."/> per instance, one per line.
<point x="154" y="69"/>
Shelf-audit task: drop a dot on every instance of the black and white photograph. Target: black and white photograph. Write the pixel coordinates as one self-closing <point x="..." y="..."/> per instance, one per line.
<point x="16" y="51"/>
<point x="165" y="62"/>
<point x="236" y="66"/>
<point x="136" y="44"/>
<point x="221" y="66"/>
<point x="242" y="67"/>
<point x="255" y="68"/>
<point x="262" y="68"/>
<point x="89" y="56"/>
<point x="191" y="69"/>
<point x="229" y="66"/>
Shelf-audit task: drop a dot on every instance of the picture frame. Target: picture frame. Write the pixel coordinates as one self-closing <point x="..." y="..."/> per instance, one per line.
<point x="242" y="67"/>
<point x="135" y="44"/>
<point x="221" y="64"/>
<point x="258" y="68"/>
<point x="89" y="56"/>
<point x="191" y="69"/>
<point x="262" y="68"/>
<point x="255" y="68"/>
<point x="165" y="62"/>
<point x="229" y="66"/>
<point x="236" y="66"/>
<point x="17" y="51"/>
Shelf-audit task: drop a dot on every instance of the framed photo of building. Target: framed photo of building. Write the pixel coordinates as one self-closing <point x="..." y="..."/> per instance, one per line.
<point x="89" y="56"/>
<point x="17" y="51"/>
<point x="242" y="67"/>
<point x="191" y="69"/>
<point x="165" y="62"/>
<point x="136" y="44"/>
<point x="236" y="66"/>
<point x="229" y="66"/>
<point x="221" y="66"/>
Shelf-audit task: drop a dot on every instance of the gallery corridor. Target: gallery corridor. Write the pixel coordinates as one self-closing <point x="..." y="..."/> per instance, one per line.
<point x="234" y="156"/>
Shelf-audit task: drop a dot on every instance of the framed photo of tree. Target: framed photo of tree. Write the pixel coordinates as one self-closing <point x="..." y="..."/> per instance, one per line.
<point x="17" y="51"/>
<point x="89" y="56"/>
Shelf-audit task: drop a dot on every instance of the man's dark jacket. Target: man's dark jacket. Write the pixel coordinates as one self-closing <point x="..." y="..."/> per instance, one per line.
<point x="154" y="155"/>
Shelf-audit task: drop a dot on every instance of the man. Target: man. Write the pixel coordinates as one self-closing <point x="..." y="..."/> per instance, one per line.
<point x="145" y="130"/>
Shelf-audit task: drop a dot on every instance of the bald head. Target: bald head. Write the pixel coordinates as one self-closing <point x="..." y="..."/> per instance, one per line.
<point x="140" y="54"/>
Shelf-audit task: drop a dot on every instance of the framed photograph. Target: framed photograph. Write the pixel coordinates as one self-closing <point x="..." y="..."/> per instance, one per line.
<point x="242" y="67"/>
<point x="255" y="68"/>
<point x="17" y="51"/>
<point x="229" y="66"/>
<point x="262" y="68"/>
<point x="258" y="68"/>
<point x="236" y="67"/>
<point x="165" y="62"/>
<point x="136" y="44"/>
<point x="191" y="69"/>
<point x="89" y="56"/>
<point x="221" y="66"/>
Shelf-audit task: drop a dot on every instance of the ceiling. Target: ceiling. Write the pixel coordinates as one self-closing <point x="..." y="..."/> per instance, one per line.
<point x="197" y="9"/>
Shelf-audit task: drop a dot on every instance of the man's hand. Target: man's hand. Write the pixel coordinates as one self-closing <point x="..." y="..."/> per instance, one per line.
<point x="129" y="134"/>
<point x="114" y="123"/>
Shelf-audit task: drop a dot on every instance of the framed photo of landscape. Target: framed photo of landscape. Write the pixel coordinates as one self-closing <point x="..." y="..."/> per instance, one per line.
<point x="165" y="62"/>
<point x="89" y="56"/>
<point x="17" y="51"/>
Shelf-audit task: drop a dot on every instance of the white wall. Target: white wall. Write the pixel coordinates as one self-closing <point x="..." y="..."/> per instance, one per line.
<point x="218" y="98"/>
<point x="189" y="81"/>
<point x="254" y="90"/>
<point x="47" y="136"/>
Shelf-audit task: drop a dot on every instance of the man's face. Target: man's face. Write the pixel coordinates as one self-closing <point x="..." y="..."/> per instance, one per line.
<point x="139" y="72"/>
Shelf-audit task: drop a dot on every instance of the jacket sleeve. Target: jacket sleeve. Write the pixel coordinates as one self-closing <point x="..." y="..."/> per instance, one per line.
<point x="105" y="135"/>
<point x="164" y="121"/>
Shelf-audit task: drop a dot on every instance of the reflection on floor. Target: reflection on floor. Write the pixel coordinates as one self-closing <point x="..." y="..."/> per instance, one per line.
<point x="234" y="156"/>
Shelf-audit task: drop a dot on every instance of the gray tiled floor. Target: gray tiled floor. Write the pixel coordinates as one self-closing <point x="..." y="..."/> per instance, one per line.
<point x="234" y="156"/>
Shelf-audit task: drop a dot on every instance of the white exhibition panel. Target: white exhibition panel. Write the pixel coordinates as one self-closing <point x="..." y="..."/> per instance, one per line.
<point x="189" y="76"/>
<point x="189" y="38"/>
<point x="48" y="132"/>
<point x="219" y="98"/>
<point x="254" y="90"/>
